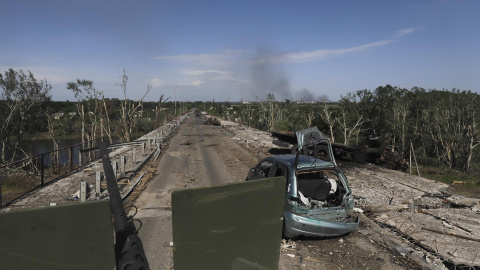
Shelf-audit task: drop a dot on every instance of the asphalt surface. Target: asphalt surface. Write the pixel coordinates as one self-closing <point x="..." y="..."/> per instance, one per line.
<point x="191" y="160"/>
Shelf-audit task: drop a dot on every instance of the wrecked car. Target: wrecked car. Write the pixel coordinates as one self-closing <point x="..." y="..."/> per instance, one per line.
<point x="318" y="200"/>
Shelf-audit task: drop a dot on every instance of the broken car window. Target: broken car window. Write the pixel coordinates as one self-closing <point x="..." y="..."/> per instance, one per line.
<point x="264" y="168"/>
<point x="280" y="171"/>
<point x="319" y="188"/>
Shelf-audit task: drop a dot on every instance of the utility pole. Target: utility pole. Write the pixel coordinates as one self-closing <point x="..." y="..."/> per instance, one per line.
<point x="176" y="100"/>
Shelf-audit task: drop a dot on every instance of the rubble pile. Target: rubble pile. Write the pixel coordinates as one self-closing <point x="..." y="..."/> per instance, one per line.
<point x="249" y="137"/>
<point x="422" y="211"/>
<point x="212" y="121"/>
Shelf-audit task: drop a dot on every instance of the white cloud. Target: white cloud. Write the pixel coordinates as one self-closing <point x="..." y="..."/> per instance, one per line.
<point x="155" y="82"/>
<point x="198" y="72"/>
<point x="205" y="59"/>
<point x="192" y="83"/>
<point x="197" y="83"/>
<point x="201" y="76"/>
<point x="224" y="58"/>
<point x="297" y="57"/>
<point x="323" y="54"/>
<point x="403" y="32"/>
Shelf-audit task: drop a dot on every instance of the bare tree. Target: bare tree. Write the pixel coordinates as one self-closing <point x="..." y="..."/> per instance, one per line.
<point x="272" y="112"/>
<point x="89" y="97"/>
<point x="400" y="110"/>
<point x="129" y="110"/>
<point x="453" y="128"/>
<point x="105" y="121"/>
<point x="20" y="103"/>
<point x="349" y="124"/>
<point x="473" y="136"/>
<point x="159" y="108"/>
<point x="309" y="118"/>
<point x="327" y="117"/>
<point x="52" y="126"/>
<point x="248" y="115"/>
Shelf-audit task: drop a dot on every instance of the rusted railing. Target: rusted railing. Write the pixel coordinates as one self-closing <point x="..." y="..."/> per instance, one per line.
<point x="22" y="176"/>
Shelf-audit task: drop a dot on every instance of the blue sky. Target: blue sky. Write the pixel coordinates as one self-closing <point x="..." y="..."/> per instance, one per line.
<point x="233" y="50"/>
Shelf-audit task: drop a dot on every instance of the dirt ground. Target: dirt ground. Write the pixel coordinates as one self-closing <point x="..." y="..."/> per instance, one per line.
<point x="408" y="222"/>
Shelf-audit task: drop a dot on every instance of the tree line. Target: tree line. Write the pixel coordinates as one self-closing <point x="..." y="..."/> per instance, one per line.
<point x="26" y="108"/>
<point x="441" y="126"/>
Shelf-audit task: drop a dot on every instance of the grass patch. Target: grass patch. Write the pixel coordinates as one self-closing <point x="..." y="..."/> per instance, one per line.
<point x="11" y="191"/>
<point x="459" y="182"/>
<point x="10" y="187"/>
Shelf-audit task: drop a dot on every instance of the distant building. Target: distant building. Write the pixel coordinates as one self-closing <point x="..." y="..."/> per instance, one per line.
<point x="305" y="102"/>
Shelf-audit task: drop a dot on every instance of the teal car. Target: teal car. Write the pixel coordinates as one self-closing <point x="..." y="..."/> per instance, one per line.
<point x="318" y="200"/>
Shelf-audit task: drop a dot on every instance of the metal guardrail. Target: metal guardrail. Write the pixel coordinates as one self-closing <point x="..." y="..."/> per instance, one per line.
<point x="22" y="176"/>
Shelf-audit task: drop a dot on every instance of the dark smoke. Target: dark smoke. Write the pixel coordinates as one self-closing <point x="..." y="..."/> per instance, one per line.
<point x="268" y="76"/>
<point x="307" y="95"/>
<point x="323" y="98"/>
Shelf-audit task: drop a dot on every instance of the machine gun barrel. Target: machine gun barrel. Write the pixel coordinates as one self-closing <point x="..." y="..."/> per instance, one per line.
<point x="128" y="245"/>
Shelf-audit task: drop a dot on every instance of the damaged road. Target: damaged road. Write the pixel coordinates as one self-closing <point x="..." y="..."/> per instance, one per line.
<point x="408" y="221"/>
<point x="389" y="236"/>
<point x="197" y="156"/>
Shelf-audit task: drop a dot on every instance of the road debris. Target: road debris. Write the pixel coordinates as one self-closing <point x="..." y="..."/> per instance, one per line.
<point x="212" y="121"/>
<point x="287" y="244"/>
<point x="357" y="210"/>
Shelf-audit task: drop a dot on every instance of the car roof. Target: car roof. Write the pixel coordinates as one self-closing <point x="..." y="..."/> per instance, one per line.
<point x="304" y="162"/>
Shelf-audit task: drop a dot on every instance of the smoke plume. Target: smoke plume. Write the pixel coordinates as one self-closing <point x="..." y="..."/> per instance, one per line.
<point x="268" y="76"/>
<point x="307" y="95"/>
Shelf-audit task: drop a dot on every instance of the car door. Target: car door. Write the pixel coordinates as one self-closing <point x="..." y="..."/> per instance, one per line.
<point x="262" y="170"/>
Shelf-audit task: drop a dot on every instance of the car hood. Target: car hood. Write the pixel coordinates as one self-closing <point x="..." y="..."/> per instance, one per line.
<point x="309" y="136"/>
<point x="312" y="137"/>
